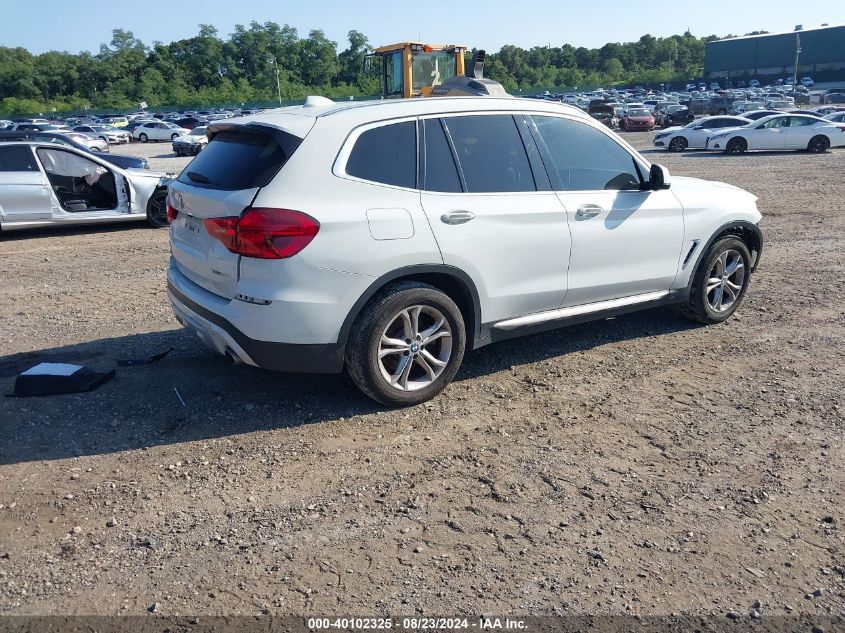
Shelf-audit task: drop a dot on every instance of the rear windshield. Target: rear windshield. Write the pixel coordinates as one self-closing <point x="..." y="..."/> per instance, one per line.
<point x="240" y="159"/>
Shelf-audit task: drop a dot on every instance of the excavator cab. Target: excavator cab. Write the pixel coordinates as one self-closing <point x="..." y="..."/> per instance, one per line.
<point x="413" y="69"/>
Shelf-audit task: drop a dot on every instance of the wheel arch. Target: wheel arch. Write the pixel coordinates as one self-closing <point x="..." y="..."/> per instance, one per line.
<point x="748" y="232"/>
<point x="450" y="280"/>
<point x="159" y="188"/>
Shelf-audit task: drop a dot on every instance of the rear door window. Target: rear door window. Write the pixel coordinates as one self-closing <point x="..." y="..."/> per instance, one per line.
<point x="490" y="153"/>
<point x="798" y="121"/>
<point x="386" y="154"/>
<point x="440" y="172"/>
<point x="240" y="159"/>
<point x="17" y="158"/>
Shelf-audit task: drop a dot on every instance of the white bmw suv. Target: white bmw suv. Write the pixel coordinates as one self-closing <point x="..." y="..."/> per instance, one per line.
<point x="388" y="238"/>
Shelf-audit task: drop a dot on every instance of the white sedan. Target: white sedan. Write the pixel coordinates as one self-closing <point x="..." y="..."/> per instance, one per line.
<point x="780" y="132"/>
<point x="109" y="134"/>
<point x="158" y="131"/>
<point x="694" y="135"/>
<point x="47" y="184"/>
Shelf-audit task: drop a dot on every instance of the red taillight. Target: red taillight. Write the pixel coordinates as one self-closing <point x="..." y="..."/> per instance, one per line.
<point x="172" y="212"/>
<point x="225" y="230"/>
<point x="265" y="233"/>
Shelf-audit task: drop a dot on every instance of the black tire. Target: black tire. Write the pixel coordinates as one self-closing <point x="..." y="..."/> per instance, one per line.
<point x="173" y="137"/>
<point x="157" y="209"/>
<point x="678" y="144"/>
<point x="736" y="145"/>
<point x="362" y="351"/>
<point x="143" y="137"/>
<point x="819" y="144"/>
<point x="698" y="307"/>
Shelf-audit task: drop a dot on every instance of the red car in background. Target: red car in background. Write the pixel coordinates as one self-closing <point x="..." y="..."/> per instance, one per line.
<point x="637" y="119"/>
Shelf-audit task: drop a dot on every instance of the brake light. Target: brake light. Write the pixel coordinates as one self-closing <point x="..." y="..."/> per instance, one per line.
<point x="224" y="230"/>
<point x="265" y="233"/>
<point x="172" y="212"/>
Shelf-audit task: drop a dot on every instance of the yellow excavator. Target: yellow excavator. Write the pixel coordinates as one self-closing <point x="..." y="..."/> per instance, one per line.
<point x="414" y="69"/>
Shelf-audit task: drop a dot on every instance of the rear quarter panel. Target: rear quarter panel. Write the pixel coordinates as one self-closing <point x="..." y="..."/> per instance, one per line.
<point x="341" y="205"/>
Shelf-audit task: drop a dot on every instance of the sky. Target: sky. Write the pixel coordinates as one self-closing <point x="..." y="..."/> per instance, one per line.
<point x="85" y="24"/>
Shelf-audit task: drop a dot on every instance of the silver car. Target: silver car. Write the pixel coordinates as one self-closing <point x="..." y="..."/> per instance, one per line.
<point x="91" y="142"/>
<point x="109" y="134"/>
<point x="42" y="184"/>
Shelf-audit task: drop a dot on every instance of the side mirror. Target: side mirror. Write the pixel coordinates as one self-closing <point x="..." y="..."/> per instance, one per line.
<point x="658" y="178"/>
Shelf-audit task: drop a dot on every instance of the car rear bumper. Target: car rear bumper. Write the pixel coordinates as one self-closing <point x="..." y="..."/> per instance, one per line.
<point x="220" y="335"/>
<point x="295" y="326"/>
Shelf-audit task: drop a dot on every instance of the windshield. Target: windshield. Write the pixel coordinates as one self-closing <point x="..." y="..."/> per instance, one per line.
<point x="432" y="69"/>
<point x="198" y="131"/>
<point x="639" y="112"/>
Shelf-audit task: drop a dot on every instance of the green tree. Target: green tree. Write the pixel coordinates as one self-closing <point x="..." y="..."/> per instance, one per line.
<point x="613" y="69"/>
<point x="209" y="69"/>
<point x="318" y="59"/>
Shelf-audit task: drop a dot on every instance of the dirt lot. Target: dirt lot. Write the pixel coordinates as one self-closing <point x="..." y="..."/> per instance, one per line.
<point x="634" y="465"/>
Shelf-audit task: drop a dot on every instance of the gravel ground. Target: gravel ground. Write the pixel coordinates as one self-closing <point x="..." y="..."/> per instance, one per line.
<point x="634" y="465"/>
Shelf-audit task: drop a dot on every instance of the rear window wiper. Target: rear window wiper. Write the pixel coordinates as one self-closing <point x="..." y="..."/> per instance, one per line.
<point x="196" y="177"/>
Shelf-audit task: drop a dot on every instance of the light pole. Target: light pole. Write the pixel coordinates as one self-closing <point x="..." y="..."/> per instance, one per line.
<point x="795" y="69"/>
<point x="278" y="85"/>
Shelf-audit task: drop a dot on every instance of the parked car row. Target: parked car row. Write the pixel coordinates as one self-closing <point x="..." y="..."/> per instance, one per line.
<point x="771" y="131"/>
<point x="78" y="141"/>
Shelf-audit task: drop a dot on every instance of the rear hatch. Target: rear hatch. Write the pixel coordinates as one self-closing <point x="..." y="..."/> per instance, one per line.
<point x="221" y="182"/>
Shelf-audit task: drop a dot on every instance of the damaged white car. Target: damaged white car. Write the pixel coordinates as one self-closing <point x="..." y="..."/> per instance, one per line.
<point x="42" y="184"/>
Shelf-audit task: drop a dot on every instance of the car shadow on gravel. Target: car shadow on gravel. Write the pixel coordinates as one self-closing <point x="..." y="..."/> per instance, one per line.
<point x="575" y="338"/>
<point x="193" y="394"/>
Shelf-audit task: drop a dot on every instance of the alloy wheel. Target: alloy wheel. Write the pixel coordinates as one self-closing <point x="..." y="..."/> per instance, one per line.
<point x="725" y="281"/>
<point x="736" y="146"/>
<point x="415" y="348"/>
<point x="819" y="144"/>
<point x="157" y="208"/>
<point x="678" y="144"/>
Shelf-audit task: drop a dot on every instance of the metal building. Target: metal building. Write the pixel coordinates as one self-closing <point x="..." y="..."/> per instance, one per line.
<point x="822" y="54"/>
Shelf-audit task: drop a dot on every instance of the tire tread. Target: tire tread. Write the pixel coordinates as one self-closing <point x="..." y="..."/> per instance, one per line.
<point x="357" y="348"/>
<point x="694" y="308"/>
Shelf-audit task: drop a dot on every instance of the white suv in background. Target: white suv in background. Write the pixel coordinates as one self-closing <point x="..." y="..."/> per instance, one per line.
<point x="390" y="237"/>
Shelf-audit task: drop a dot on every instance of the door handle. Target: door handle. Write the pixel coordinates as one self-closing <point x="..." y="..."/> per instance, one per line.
<point x="457" y="217"/>
<point x="588" y="211"/>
